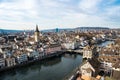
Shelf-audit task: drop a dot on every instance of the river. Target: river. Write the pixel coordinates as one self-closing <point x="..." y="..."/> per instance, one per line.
<point x="50" y="69"/>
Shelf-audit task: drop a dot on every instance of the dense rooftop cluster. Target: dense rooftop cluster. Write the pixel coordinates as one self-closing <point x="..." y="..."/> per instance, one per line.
<point x="16" y="49"/>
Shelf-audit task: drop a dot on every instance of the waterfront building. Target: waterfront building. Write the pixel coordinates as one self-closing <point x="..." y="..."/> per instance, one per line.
<point x="34" y="54"/>
<point x="89" y="52"/>
<point x="10" y="62"/>
<point x="37" y="34"/>
<point x="2" y="62"/>
<point x="41" y="51"/>
<point x="53" y="48"/>
<point x="90" y="67"/>
<point x="68" y="45"/>
<point x="21" y="57"/>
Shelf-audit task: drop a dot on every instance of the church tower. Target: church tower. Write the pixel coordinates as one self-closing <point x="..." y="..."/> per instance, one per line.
<point x="37" y="34"/>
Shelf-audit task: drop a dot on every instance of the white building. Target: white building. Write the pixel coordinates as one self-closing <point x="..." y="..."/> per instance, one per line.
<point x="22" y="58"/>
<point x="106" y="65"/>
<point x="2" y="62"/>
<point x="70" y="45"/>
<point x="34" y="54"/>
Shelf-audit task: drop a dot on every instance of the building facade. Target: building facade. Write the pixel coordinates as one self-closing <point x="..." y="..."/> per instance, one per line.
<point x="21" y="58"/>
<point x="2" y="62"/>
<point x="53" y="49"/>
<point x="10" y="62"/>
<point x="87" y="52"/>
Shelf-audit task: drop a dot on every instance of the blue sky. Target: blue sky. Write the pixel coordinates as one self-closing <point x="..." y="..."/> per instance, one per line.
<point x="25" y="14"/>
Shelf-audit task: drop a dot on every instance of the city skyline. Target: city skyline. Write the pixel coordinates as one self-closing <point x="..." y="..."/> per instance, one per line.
<point x="49" y="14"/>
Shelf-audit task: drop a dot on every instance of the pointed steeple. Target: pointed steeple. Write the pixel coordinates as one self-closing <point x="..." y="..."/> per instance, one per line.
<point x="37" y="34"/>
<point x="37" y="30"/>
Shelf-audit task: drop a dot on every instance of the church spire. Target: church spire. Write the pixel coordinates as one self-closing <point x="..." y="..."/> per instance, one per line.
<point x="36" y="34"/>
<point x="37" y="30"/>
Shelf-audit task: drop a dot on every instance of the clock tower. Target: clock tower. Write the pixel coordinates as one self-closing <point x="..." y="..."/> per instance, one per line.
<point x="37" y="34"/>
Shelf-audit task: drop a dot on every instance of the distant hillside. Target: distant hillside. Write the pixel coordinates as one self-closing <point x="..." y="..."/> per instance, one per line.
<point x="57" y="29"/>
<point x="53" y="30"/>
<point x="9" y="31"/>
<point x="77" y="28"/>
<point x="92" y="28"/>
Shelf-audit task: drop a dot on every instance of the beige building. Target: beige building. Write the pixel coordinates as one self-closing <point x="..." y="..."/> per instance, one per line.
<point x="90" y="67"/>
<point x="10" y="62"/>
<point x="88" y="52"/>
<point x="53" y="48"/>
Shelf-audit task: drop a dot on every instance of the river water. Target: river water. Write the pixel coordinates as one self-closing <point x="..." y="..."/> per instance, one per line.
<point x="50" y="69"/>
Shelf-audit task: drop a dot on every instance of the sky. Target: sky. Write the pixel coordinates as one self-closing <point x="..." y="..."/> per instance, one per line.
<point x="49" y="14"/>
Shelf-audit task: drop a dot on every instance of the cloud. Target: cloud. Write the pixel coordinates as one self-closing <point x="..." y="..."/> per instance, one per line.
<point x="113" y="13"/>
<point x="58" y="13"/>
<point x="89" y="6"/>
<point x="18" y="9"/>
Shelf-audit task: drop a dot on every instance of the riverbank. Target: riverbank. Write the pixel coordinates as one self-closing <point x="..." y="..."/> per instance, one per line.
<point x="37" y="60"/>
<point x="55" y="68"/>
<point x="32" y="61"/>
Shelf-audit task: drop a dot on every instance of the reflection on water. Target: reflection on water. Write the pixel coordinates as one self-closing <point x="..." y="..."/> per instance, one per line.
<point x="49" y="69"/>
<point x="70" y="56"/>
